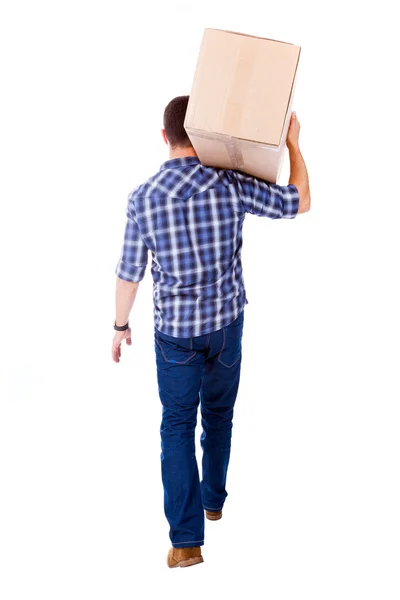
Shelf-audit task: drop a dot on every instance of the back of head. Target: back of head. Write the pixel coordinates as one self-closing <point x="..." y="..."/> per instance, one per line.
<point x="174" y="118"/>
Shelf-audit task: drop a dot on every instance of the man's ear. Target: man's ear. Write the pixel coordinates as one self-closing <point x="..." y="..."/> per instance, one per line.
<point x="164" y="136"/>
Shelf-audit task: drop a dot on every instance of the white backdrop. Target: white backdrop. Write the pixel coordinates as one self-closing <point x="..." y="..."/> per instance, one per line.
<point x="314" y="478"/>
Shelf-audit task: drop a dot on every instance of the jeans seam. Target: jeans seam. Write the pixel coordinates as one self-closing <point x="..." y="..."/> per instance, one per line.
<point x="223" y="343"/>
<point x="192" y="542"/>
<point x="228" y="366"/>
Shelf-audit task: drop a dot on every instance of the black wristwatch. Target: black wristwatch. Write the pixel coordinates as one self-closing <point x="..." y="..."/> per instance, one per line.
<point x="123" y="328"/>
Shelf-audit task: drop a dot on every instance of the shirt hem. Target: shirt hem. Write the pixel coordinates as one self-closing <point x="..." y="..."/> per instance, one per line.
<point x="230" y="320"/>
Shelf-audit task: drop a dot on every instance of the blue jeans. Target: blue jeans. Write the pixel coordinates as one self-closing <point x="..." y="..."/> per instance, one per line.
<point x="203" y="369"/>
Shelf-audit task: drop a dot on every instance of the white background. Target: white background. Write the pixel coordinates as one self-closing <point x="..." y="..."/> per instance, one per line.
<point x="313" y="507"/>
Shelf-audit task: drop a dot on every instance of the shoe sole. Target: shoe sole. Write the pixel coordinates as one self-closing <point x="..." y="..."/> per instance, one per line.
<point x="189" y="562"/>
<point x="212" y="517"/>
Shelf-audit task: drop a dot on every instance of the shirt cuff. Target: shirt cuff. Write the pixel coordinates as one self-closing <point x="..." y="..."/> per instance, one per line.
<point x="291" y="199"/>
<point x="129" y="272"/>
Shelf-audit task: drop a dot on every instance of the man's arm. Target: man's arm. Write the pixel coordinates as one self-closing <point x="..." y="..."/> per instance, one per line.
<point x="130" y="271"/>
<point x="265" y="199"/>
<point x="278" y="201"/>
<point x="298" y="169"/>
<point x="125" y="294"/>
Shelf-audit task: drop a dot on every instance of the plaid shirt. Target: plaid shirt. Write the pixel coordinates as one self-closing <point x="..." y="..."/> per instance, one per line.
<point x="190" y="217"/>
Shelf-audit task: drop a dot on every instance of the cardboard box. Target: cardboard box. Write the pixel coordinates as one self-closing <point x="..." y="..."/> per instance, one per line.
<point x="240" y="104"/>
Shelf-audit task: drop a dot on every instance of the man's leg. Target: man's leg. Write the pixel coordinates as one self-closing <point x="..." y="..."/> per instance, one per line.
<point x="218" y="393"/>
<point x="179" y="369"/>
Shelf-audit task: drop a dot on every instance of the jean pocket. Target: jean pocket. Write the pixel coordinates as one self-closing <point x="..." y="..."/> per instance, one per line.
<point x="231" y="350"/>
<point x="172" y="352"/>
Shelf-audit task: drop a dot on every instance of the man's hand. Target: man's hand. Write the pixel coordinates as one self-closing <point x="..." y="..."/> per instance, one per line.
<point x="116" y="346"/>
<point x="292" y="139"/>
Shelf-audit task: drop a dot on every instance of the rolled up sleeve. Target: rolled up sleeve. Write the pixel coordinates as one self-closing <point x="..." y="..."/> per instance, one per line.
<point x="267" y="199"/>
<point x="134" y="255"/>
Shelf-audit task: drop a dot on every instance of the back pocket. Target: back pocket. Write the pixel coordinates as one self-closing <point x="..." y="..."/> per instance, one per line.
<point x="172" y="351"/>
<point x="231" y="350"/>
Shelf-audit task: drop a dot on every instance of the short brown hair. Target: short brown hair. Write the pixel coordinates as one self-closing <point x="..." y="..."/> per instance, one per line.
<point x="174" y="117"/>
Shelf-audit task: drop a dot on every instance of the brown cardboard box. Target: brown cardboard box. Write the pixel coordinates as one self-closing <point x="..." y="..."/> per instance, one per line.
<point x="240" y="104"/>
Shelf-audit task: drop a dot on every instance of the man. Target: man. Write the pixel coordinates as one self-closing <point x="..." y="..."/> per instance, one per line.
<point x="190" y="217"/>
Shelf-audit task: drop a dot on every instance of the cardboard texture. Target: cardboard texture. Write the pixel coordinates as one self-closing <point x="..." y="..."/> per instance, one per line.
<point x="240" y="103"/>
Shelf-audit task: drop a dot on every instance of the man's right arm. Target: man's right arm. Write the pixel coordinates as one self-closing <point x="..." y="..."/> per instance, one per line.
<point x="298" y="169"/>
<point x="278" y="201"/>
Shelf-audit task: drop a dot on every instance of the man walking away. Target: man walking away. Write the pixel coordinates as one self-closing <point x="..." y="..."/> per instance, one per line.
<point x="190" y="217"/>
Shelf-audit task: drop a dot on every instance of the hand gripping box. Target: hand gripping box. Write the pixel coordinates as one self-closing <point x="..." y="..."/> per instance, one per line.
<point x="240" y="104"/>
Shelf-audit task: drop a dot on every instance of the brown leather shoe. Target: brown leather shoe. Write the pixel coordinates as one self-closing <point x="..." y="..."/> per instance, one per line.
<point x="184" y="557"/>
<point x="213" y="516"/>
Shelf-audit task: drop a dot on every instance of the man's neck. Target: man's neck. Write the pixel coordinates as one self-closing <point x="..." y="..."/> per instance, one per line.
<point x="181" y="152"/>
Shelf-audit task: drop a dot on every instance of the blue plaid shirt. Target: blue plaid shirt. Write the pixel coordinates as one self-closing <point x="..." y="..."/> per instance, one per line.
<point x="190" y="217"/>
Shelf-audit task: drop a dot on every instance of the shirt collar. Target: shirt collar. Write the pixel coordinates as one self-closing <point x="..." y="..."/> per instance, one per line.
<point x="175" y="163"/>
